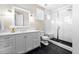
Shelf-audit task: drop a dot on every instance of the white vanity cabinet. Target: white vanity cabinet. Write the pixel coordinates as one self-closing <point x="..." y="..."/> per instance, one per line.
<point x="19" y="42"/>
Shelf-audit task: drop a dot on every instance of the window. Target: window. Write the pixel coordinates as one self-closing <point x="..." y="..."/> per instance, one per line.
<point x="39" y="14"/>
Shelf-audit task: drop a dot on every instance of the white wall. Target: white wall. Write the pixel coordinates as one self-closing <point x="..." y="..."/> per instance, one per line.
<point x="50" y="25"/>
<point x="75" y="29"/>
<point x="47" y="22"/>
<point x="29" y="7"/>
<point x="65" y="27"/>
<point x="6" y="18"/>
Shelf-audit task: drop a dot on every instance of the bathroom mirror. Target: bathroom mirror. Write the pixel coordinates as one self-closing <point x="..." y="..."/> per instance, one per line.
<point x="21" y="17"/>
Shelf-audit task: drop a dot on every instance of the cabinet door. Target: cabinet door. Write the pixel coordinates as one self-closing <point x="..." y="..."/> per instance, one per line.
<point x="7" y="44"/>
<point x="36" y="39"/>
<point x="20" y="43"/>
<point x="12" y="38"/>
<point x="29" y="42"/>
<point x="32" y="41"/>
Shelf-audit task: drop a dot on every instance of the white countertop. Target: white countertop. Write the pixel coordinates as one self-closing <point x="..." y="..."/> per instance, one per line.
<point x="10" y="33"/>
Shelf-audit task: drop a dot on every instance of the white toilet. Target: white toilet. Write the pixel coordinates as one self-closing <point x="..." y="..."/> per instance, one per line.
<point x="44" y="39"/>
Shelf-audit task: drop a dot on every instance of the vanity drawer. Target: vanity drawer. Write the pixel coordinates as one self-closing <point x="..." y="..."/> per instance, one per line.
<point x="5" y="44"/>
<point x="8" y="50"/>
<point x="7" y="41"/>
<point x="3" y="38"/>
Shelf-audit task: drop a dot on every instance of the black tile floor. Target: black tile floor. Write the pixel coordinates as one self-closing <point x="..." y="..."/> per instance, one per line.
<point x="50" y="49"/>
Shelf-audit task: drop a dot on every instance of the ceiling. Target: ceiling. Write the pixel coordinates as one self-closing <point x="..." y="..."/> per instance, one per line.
<point x="53" y="7"/>
<point x="31" y="7"/>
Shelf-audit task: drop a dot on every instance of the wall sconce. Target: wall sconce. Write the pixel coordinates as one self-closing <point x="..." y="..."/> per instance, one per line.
<point x="31" y="19"/>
